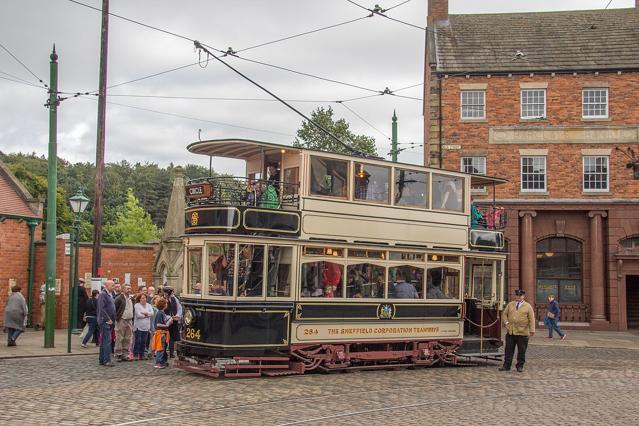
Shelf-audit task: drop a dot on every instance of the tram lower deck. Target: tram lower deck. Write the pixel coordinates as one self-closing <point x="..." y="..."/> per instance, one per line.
<point x="275" y="307"/>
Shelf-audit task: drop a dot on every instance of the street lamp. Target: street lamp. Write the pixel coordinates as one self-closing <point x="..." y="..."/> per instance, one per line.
<point x="79" y="203"/>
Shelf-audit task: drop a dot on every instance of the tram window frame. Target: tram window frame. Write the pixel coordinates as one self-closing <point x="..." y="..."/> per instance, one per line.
<point x="292" y="267"/>
<point x="392" y="253"/>
<point x="189" y="288"/>
<point x="460" y="283"/>
<point x="426" y="196"/>
<point x="384" y="275"/>
<point x="338" y="252"/>
<point x="358" y="174"/>
<point x="301" y="281"/>
<point x="420" y="291"/>
<point x="347" y="179"/>
<point x="209" y="282"/>
<point x="240" y="250"/>
<point x="437" y="182"/>
<point x="367" y="254"/>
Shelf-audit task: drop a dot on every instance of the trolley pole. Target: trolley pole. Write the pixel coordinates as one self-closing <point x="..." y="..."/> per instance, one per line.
<point x="49" y="324"/>
<point x="98" y="208"/>
<point x="394" y="139"/>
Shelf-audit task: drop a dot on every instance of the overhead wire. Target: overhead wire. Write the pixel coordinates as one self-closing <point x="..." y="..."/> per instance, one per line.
<point x="364" y="120"/>
<point x="22" y="82"/>
<point x="23" y="65"/>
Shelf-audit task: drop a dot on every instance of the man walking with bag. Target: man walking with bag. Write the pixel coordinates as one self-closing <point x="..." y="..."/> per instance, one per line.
<point x="519" y="319"/>
<point x="552" y="318"/>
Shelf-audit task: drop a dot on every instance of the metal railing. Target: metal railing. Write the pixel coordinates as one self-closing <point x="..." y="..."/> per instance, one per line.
<point x="487" y="217"/>
<point x="242" y="191"/>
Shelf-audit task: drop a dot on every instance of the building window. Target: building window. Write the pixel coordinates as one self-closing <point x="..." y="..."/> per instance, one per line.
<point x="476" y="166"/>
<point x="630" y="243"/>
<point x="329" y="177"/>
<point x="533" y="103"/>
<point x="533" y="174"/>
<point x="595" y="103"/>
<point x="473" y="104"/>
<point x="559" y="262"/>
<point x="595" y="173"/>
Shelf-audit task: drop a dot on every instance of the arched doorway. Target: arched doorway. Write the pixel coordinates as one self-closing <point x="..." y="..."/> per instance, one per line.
<point x="559" y="270"/>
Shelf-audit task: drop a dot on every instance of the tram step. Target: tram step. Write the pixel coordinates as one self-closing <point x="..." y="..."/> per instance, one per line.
<point x="274" y="373"/>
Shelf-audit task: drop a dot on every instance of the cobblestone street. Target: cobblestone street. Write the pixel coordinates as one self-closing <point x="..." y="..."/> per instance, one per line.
<point x="560" y="385"/>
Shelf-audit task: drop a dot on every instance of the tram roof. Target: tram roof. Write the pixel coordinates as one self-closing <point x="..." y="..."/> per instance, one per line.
<point x="245" y="149"/>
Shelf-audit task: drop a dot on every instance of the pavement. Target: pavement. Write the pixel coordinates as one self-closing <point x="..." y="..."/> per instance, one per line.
<point x="559" y="385"/>
<point x="31" y="343"/>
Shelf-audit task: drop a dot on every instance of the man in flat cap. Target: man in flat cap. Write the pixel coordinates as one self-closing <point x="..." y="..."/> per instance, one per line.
<point x="519" y="319"/>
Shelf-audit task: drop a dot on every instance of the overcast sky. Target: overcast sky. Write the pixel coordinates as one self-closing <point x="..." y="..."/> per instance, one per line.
<point x="373" y="53"/>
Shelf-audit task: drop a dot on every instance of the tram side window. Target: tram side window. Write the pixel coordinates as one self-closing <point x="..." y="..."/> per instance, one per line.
<point x="371" y="183"/>
<point x="322" y="279"/>
<point x="329" y="177"/>
<point x="365" y="280"/>
<point x="406" y="282"/>
<point x="448" y="193"/>
<point x="411" y="188"/>
<point x="195" y="271"/>
<point x="280" y="261"/>
<point x="443" y="283"/>
<point x="250" y="270"/>
<point x="221" y="260"/>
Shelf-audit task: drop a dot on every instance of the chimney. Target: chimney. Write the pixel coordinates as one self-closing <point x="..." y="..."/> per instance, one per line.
<point x="438" y="10"/>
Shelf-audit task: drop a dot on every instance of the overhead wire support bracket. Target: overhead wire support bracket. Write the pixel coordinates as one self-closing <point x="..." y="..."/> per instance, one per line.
<point x="200" y="47"/>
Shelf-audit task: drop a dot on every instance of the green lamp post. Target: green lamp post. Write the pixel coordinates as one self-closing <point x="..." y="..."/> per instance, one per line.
<point x="79" y="203"/>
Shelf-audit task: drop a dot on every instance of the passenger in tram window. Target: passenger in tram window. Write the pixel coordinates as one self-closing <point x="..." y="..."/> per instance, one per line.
<point x="197" y="288"/>
<point x="331" y="279"/>
<point x="403" y="289"/>
<point x="217" y="289"/>
<point x="435" y="284"/>
<point x="273" y="174"/>
<point x="357" y="292"/>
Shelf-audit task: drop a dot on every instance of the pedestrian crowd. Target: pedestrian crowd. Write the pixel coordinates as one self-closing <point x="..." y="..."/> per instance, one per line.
<point x="131" y="327"/>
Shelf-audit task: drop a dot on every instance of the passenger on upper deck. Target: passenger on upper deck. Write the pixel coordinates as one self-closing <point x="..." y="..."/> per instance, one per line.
<point x="435" y="285"/>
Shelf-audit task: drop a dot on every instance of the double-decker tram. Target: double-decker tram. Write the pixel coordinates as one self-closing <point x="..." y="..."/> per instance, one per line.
<point x="320" y="261"/>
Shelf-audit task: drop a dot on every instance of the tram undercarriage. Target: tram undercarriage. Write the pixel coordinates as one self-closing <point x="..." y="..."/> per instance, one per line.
<point x="326" y="358"/>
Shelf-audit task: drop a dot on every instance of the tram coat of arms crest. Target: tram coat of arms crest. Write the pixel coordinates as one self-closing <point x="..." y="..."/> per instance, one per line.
<point x="385" y="311"/>
<point x="195" y="217"/>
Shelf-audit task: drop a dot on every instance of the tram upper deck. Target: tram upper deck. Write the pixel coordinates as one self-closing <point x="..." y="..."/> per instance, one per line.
<point x="313" y="195"/>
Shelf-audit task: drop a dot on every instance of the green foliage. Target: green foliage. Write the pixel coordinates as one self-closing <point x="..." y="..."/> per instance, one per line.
<point x="150" y="183"/>
<point x="309" y="136"/>
<point x="134" y="224"/>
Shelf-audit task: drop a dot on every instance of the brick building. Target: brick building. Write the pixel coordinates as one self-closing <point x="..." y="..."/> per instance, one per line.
<point x="20" y="243"/>
<point x="549" y="101"/>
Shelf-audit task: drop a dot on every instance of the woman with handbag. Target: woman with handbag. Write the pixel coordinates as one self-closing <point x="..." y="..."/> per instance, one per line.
<point x="552" y="318"/>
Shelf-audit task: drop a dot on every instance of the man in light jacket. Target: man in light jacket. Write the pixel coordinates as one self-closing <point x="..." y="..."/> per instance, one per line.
<point x="519" y="319"/>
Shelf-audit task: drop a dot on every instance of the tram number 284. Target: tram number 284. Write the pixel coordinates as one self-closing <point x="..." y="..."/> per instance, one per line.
<point x="192" y="333"/>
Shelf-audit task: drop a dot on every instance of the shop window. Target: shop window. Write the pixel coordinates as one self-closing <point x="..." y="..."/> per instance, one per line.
<point x="279" y="276"/>
<point x="448" y="193"/>
<point x="371" y="183"/>
<point x="365" y="280"/>
<point x="559" y="263"/>
<point x="443" y="283"/>
<point x="195" y="271"/>
<point x="250" y="270"/>
<point x="329" y="177"/>
<point x="221" y="260"/>
<point x="322" y="279"/>
<point x="406" y="282"/>
<point x="411" y="188"/>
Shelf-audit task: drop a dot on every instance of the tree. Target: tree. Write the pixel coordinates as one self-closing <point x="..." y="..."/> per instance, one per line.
<point x="133" y="224"/>
<point x="309" y="136"/>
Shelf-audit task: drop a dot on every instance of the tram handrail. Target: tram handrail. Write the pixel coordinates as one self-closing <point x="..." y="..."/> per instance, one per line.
<point x="241" y="191"/>
<point x="488" y="217"/>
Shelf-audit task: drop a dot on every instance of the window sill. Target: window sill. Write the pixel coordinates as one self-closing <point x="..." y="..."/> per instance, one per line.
<point x="607" y="192"/>
<point x="533" y="192"/>
<point x="533" y="120"/>
<point x="473" y="120"/>
<point x="589" y="119"/>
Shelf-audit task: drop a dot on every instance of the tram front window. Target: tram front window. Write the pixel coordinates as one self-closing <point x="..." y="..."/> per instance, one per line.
<point x="280" y="260"/>
<point x="322" y="279"/>
<point x="365" y="280"/>
<point x="448" y="193"/>
<point x="221" y="260"/>
<point x="443" y="283"/>
<point x="250" y="270"/>
<point x="405" y="282"/>
<point x="195" y="271"/>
